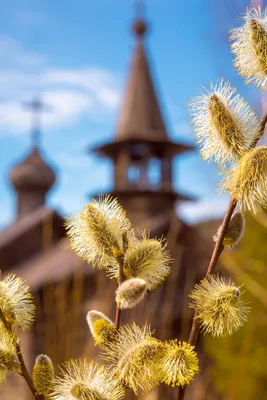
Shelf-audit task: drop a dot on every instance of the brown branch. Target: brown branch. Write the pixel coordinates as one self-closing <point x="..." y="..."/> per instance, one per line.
<point x="260" y="133"/>
<point x="24" y="372"/>
<point x="120" y="280"/>
<point x="218" y="249"/>
<point x="26" y="375"/>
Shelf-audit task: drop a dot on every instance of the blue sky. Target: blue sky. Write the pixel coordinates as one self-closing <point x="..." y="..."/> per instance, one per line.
<point x="76" y="55"/>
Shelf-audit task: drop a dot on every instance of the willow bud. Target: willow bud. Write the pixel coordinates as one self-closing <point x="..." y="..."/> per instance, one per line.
<point x="130" y="293"/>
<point x="135" y="358"/>
<point x="218" y="306"/>
<point x="43" y="374"/>
<point x="250" y="47"/>
<point x="234" y="232"/>
<point x="223" y="122"/>
<point x="179" y="363"/>
<point x="101" y="327"/>
<point x="96" y="233"/>
<point x="147" y="259"/>
<point x="81" y="380"/>
<point x="247" y="182"/>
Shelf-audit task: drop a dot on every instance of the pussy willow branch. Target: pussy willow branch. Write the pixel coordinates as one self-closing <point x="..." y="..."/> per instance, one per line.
<point x="218" y="249"/>
<point x="260" y="133"/>
<point x="120" y="280"/>
<point x="24" y="372"/>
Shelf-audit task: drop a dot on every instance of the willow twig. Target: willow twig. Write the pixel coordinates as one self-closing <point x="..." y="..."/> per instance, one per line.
<point x="218" y="249"/>
<point x="260" y="132"/>
<point x="120" y="280"/>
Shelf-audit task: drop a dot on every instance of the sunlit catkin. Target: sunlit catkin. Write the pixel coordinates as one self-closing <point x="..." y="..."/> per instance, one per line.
<point x="130" y="293"/>
<point x="223" y="122"/>
<point x="247" y="182"/>
<point x="250" y="47"/>
<point x="101" y="327"/>
<point x="80" y="391"/>
<point x="3" y="375"/>
<point x="134" y="358"/>
<point x="147" y="259"/>
<point x="81" y="380"/>
<point x="234" y="232"/>
<point x="16" y="302"/>
<point x="179" y="363"/>
<point x="218" y="306"/>
<point x="43" y="374"/>
<point x="97" y="233"/>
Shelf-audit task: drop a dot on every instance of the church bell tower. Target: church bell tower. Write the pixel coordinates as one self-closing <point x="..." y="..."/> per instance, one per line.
<point x="142" y="152"/>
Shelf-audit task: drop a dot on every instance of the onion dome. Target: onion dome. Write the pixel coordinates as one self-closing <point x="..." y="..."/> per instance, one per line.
<point x="33" y="173"/>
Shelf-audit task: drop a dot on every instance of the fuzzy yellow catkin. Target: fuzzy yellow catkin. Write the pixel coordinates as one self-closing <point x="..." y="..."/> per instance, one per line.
<point x="97" y="233"/>
<point x="43" y="374"/>
<point x="81" y="380"/>
<point x="247" y="182"/>
<point x="234" y="232"/>
<point x="230" y="132"/>
<point x="147" y="259"/>
<point x="250" y="47"/>
<point x="8" y="356"/>
<point x="16" y="302"/>
<point x="218" y="306"/>
<point x="223" y="122"/>
<point x="3" y="374"/>
<point x="134" y="358"/>
<point x="178" y="363"/>
<point x="82" y="392"/>
<point x="130" y="293"/>
<point x="101" y="327"/>
<point x="258" y="37"/>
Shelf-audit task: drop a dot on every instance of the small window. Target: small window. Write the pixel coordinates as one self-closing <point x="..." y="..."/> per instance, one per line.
<point x="133" y="173"/>
<point x="154" y="172"/>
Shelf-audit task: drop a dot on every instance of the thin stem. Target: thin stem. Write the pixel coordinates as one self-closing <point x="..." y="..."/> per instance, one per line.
<point x="24" y="372"/>
<point x="218" y="249"/>
<point x="120" y="280"/>
<point x="260" y="133"/>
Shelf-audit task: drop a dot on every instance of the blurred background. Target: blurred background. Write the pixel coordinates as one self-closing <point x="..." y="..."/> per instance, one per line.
<point x="93" y="100"/>
<point x="77" y="58"/>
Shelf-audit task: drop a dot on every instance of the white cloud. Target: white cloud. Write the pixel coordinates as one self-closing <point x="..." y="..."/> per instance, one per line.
<point x="100" y="83"/>
<point x="198" y="211"/>
<point x="12" y="52"/>
<point x="13" y="118"/>
<point x="72" y="93"/>
<point x="86" y="78"/>
<point x="66" y="108"/>
<point x="109" y="97"/>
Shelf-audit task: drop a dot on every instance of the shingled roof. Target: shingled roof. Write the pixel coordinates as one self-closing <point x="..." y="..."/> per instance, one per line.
<point x="140" y="111"/>
<point x="29" y="235"/>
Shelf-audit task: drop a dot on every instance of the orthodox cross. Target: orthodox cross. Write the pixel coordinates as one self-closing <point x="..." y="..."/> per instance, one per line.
<point x="36" y="107"/>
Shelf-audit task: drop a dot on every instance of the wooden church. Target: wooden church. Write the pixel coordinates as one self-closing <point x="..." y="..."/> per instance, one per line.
<point x="35" y="246"/>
